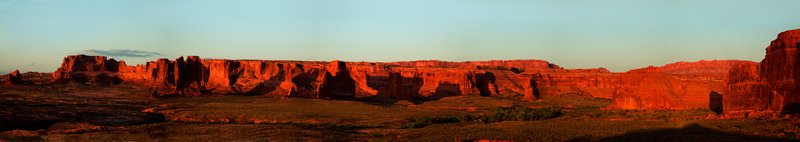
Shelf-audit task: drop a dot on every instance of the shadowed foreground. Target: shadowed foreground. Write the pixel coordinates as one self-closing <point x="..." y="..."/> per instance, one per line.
<point x="85" y="113"/>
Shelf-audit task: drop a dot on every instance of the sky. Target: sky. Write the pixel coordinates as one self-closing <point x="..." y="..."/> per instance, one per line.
<point x="618" y="35"/>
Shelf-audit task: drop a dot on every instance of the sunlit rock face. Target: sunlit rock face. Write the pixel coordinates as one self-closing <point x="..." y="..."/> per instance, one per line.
<point x="652" y="88"/>
<point x="770" y="86"/>
<point x="681" y="85"/>
<point x="423" y="80"/>
<point x="599" y="83"/>
<point x="87" y="69"/>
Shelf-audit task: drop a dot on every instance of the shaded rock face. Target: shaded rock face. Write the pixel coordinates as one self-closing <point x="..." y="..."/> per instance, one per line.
<point x="189" y="74"/>
<point x="28" y="78"/>
<point x="769" y="86"/>
<point x="14" y="78"/>
<point x="409" y="83"/>
<point x="336" y="82"/>
<point x="164" y="72"/>
<point x="510" y="84"/>
<point x="441" y="82"/>
<point x="75" y="63"/>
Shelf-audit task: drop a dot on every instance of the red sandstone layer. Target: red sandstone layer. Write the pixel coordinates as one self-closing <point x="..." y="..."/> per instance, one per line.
<point x="681" y="85"/>
<point x="332" y="80"/>
<point x="770" y="86"/>
<point x="739" y="86"/>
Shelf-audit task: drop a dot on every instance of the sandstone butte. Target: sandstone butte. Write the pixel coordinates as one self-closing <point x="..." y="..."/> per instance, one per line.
<point x="13" y="78"/>
<point x="309" y="79"/>
<point x="724" y="85"/>
<point x="682" y="85"/>
<point x="769" y="87"/>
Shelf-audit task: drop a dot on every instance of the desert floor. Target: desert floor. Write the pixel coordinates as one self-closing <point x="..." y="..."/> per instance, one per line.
<point x="73" y="112"/>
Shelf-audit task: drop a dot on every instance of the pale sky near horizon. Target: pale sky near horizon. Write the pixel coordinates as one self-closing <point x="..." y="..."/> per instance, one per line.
<point x="616" y="34"/>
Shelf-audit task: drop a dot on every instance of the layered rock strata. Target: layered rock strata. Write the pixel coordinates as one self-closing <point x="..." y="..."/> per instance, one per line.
<point x="771" y="86"/>
<point x="681" y="85"/>
<point x="688" y="85"/>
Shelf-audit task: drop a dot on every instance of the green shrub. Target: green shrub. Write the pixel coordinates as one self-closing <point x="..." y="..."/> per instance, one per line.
<point x="523" y="114"/>
<point x="425" y="121"/>
<point x="414" y="125"/>
<point x="500" y="114"/>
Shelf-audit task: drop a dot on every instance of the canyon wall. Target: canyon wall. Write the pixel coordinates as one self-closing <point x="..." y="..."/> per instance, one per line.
<point x="681" y="85"/>
<point x="492" y="64"/>
<point x="599" y="83"/>
<point x="772" y="85"/>
<point x="330" y="80"/>
<point x="731" y="86"/>
<point x="87" y="69"/>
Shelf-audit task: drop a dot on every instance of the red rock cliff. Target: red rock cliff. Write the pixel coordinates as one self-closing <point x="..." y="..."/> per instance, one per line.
<point x="83" y="63"/>
<point x="770" y="86"/>
<point x="652" y="88"/>
<point x="336" y="82"/>
<point x="599" y="83"/>
<point x="678" y="86"/>
<point x="682" y="85"/>
<point x="507" y="64"/>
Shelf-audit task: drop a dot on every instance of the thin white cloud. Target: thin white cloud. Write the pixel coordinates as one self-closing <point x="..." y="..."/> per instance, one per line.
<point x="122" y="53"/>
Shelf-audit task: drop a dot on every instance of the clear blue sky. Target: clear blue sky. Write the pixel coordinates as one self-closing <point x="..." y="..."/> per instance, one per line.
<point x="617" y="34"/>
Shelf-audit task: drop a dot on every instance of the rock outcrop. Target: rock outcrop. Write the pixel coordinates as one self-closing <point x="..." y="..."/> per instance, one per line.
<point x="28" y="78"/>
<point x="331" y="80"/>
<point x="599" y="83"/>
<point x="771" y="86"/>
<point x="87" y="69"/>
<point x="493" y="64"/>
<point x="336" y="82"/>
<point x="14" y="78"/>
<point x="652" y="88"/>
<point x="681" y="85"/>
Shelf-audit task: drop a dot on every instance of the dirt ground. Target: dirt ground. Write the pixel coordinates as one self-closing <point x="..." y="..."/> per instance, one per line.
<point x="72" y="112"/>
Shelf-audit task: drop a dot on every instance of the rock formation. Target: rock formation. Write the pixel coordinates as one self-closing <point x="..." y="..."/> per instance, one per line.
<point x="332" y="80"/>
<point x="14" y="78"/>
<point x="599" y="83"/>
<point x="28" y="78"/>
<point x="709" y="69"/>
<point x="336" y="82"/>
<point x="772" y="85"/>
<point x="493" y="64"/>
<point x="681" y="85"/>
<point x="652" y="88"/>
<point x="87" y="69"/>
